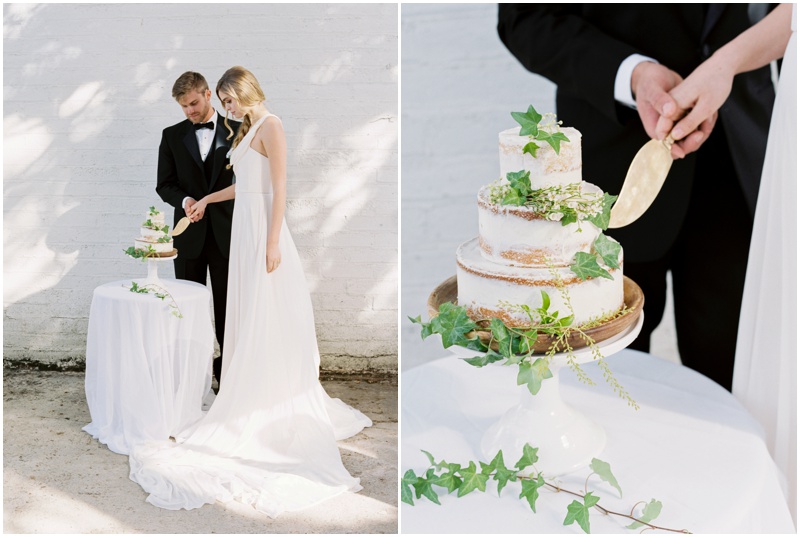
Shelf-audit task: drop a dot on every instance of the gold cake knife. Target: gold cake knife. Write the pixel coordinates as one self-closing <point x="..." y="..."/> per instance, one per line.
<point x="181" y="226"/>
<point x="646" y="176"/>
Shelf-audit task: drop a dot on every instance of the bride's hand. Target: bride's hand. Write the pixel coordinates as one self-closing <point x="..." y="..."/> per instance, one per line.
<point x="198" y="210"/>
<point x="273" y="257"/>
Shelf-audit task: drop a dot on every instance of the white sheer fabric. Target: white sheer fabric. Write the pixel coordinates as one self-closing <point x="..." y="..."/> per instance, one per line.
<point x="269" y="439"/>
<point x="765" y="371"/>
<point x="146" y="370"/>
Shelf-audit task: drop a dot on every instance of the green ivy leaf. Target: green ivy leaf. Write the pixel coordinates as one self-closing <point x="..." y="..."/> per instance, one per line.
<point x="513" y="197"/>
<point x="530" y="490"/>
<point x="530" y="148"/>
<point x="520" y="181"/>
<point x="554" y="139"/>
<point x="502" y="336"/>
<point x="424" y="486"/>
<point x="430" y="457"/>
<point x="603" y="218"/>
<point x="545" y="301"/>
<point x="586" y="266"/>
<point x="426" y="327"/>
<point x="452" y="324"/>
<point x="529" y="457"/>
<point x="533" y="374"/>
<point x="449" y="480"/>
<point x="565" y="321"/>
<point x="608" y="249"/>
<point x="472" y="480"/>
<point x="489" y="358"/>
<point x="526" y="343"/>
<point x="579" y="512"/>
<point x="569" y="218"/>
<point x="603" y="471"/>
<point x="528" y="121"/>
<point x="502" y="474"/>
<point x="650" y="513"/>
<point x="409" y="479"/>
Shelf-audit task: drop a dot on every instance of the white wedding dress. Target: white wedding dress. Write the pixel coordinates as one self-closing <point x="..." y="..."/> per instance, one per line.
<point x="765" y="370"/>
<point x="269" y="439"/>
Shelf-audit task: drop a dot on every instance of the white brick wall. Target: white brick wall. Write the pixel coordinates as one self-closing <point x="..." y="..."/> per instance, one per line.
<point x="86" y="95"/>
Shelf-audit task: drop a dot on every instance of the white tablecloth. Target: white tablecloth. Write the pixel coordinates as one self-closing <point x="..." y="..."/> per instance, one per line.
<point x="147" y="371"/>
<point x="691" y="446"/>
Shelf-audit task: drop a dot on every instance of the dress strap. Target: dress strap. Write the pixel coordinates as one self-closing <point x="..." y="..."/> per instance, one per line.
<point x="241" y="148"/>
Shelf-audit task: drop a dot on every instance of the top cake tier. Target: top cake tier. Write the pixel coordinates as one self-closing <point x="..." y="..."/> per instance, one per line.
<point x="548" y="168"/>
<point x="156" y="218"/>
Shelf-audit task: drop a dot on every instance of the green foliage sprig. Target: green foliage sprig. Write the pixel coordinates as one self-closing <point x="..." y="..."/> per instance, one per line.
<point x="587" y="265"/>
<point x="158" y="292"/>
<point x="565" y="203"/>
<point x="532" y="127"/>
<point x="466" y="479"/>
<point x="140" y="253"/>
<point x="515" y="345"/>
<point x="150" y="225"/>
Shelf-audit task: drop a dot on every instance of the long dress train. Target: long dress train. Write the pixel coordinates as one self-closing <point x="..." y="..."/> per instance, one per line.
<point x="269" y="439"/>
<point x="765" y="370"/>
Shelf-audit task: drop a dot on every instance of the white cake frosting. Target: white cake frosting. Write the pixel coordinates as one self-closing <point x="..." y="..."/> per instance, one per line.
<point x="548" y="168"/>
<point x="483" y="286"/>
<point x="520" y="252"/>
<point x="515" y="235"/>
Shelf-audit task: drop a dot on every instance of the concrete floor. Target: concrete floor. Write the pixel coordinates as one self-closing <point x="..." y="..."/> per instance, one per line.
<point x="57" y="479"/>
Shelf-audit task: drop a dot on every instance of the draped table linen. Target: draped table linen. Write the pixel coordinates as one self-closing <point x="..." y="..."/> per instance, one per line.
<point x="691" y="445"/>
<point x="147" y="370"/>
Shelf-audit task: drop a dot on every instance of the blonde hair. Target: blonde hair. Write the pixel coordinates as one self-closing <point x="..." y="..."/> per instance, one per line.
<point x="187" y="82"/>
<point x="242" y="86"/>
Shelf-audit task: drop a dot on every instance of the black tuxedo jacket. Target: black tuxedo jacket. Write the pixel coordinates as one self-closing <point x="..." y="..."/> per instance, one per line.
<point x="580" y="48"/>
<point x="180" y="174"/>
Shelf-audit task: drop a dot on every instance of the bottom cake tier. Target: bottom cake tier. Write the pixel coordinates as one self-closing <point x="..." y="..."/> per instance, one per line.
<point x="490" y="290"/>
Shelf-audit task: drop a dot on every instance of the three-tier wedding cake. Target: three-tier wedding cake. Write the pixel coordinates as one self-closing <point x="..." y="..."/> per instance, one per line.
<point x="540" y="230"/>
<point x="154" y="236"/>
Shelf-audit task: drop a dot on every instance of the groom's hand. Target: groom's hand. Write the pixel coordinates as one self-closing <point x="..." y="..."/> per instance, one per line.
<point x="187" y="207"/>
<point x="650" y="84"/>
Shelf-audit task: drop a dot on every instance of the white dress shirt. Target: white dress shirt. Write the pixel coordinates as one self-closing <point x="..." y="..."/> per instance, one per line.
<point x="622" y="83"/>
<point x="205" y="141"/>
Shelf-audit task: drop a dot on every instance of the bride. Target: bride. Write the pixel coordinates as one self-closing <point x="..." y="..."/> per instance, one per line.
<point x="269" y="439"/>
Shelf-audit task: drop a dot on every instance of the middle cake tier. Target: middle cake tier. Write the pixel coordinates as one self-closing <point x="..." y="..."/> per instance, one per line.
<point x="488" y="289"/>
<point x="521" y="236"/>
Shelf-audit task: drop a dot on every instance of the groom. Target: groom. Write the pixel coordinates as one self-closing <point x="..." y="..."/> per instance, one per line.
<point x="191" y="164"/>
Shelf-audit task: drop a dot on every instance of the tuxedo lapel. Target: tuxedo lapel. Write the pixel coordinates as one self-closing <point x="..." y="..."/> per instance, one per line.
<point x="190" y="141"/>
<point x="221" y="147"/>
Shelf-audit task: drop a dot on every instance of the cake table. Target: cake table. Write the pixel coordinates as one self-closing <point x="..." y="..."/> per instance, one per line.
<point x="147" y="370"/>
<point x="691" y="446"/>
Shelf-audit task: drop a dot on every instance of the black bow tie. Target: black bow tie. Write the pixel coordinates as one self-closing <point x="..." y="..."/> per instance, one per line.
<point x="209" y="125"/>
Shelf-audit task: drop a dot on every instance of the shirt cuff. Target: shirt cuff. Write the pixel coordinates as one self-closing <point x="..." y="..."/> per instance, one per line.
<point x="183" y="204"/>
<point x="622" y="84"/>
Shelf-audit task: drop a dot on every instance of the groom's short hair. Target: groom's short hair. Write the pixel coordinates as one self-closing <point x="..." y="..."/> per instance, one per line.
<point x="187" y="82"/>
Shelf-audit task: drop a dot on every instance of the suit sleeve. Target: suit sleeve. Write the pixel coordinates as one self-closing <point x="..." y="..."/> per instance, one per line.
<point x="554" y="40"/>
<point x="167" y="185"/>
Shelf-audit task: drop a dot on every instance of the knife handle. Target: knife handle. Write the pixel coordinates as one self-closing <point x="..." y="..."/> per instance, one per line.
<point x="668" y="141"/>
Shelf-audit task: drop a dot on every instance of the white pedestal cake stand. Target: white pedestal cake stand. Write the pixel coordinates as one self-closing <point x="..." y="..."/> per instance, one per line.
<point x="567" y="440"/>
<point x="152" y="269"/>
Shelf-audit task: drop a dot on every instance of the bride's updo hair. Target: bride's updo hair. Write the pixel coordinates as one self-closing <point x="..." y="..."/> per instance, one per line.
<point x="241" y="85"/>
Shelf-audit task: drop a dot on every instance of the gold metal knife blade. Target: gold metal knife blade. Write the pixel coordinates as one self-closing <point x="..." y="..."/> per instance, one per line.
<point x="182" y="224"/>
<point x="646" y="176"/>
